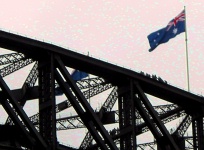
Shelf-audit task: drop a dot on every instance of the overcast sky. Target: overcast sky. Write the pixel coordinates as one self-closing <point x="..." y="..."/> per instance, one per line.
<point x="116" y="31"/>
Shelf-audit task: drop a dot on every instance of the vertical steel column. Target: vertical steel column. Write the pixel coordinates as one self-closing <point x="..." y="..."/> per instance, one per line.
<point x="127" y="117"/>
<point x="47" y="112"/>
<point x="133" y="115"/>
<point x="200" y="133"/>
<point x="195" y="134"/>
<point x="198" y="136"/>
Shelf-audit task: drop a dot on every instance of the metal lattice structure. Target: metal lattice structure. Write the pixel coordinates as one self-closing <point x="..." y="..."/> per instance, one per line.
<point x="127" y="105"/>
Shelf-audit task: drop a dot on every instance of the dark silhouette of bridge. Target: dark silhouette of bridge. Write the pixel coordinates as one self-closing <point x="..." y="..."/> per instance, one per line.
<point x="135" y="114"/>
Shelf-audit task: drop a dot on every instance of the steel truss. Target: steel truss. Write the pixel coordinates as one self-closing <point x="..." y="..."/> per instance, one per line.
<point x="134" y="114"/>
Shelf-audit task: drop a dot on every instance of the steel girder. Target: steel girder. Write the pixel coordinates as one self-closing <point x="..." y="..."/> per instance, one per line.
<point x="32" y="48"/>
<point x="90" y="92"/>
<point x="168" y="143"/>
<point x="47" y="111"/>
<point x="75" y="122"/>
<point x="198" y="134"/>
<point x="189" y="143"/>
<point x="15" y="112"/>
<point x="163" y="108"/>
<point x="158" y="108"/>
<point x="144" y="146"/>
<point x="169" y="113"/>
<point x="11" y="58"/>
<point x="127" y="117"/>
<point x="107" y="106"/>
<point x="183" y="127"/>
<point x="93" y="123"/>
<point x="192" y="104"/>
<point x="29" y="82"/>
<point x="66" y="104"/>
<point x="15" y="66"/>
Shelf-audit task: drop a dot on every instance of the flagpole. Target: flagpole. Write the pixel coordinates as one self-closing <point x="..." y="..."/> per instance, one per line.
<point x="188" y="81"/>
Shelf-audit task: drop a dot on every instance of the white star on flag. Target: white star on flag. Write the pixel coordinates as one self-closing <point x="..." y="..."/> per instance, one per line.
<point x="175" y="30"/>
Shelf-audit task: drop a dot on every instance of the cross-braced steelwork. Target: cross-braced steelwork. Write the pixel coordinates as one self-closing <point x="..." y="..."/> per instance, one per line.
<point x="124" y="114"/>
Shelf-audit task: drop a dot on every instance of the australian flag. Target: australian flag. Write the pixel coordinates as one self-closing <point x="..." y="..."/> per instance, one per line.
<point x="174" y="27"/>
<point x="78" y="75"/>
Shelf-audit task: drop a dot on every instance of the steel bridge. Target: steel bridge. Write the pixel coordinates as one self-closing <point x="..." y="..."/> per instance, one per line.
<point x="129" y="91"/>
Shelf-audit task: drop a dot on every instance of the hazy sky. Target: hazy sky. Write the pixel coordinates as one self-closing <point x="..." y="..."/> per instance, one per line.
<point x="116" y="31"/>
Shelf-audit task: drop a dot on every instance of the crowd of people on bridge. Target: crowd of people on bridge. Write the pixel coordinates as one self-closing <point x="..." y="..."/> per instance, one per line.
<point x="153" y="77"/>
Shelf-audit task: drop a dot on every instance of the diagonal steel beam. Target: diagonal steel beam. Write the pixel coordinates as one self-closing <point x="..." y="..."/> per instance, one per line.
<point x="87" y="121"/>
<point x="189" y="143"/>
<point x="155" y="117"/>
<point x="29" y="82"/>
<point x="94" y="120"/>
<point x="144" y="146"/>
<point x="66" y="104"/>
<point x="145" y="116"/>
<point x="6" y="105"/>
<point x="90" y="82"/>
<point x="20" y="112"/>
<point x="11" y="58"/>
<point x="107" y="106"/>
<point x="183" y="127"/>
<point x="142" y="127"/>
<point x="15" y="66"/>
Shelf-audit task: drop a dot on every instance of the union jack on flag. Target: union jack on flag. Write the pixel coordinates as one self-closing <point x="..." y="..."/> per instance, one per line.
<point x="180" y="17"/>
<point x="174" y="27"/>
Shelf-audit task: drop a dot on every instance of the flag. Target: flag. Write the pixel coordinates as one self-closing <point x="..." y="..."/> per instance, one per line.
<point x="78" y="75"/>
<point x="174" y="27"/>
